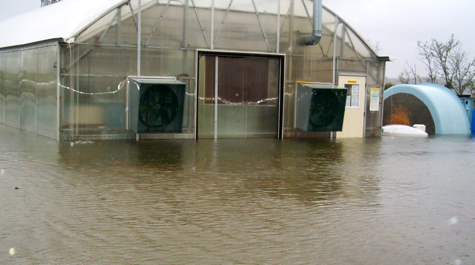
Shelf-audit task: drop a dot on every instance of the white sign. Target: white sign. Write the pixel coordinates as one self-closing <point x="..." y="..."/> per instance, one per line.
<point x="374" y="102"/>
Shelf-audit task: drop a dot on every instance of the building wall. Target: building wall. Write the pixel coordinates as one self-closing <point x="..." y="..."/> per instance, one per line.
<point x="93" y="69"/>
<point x="28" y="89"/>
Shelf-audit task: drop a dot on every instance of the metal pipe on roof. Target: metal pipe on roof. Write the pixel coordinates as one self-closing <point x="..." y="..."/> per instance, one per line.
<point x="317" y="24"/>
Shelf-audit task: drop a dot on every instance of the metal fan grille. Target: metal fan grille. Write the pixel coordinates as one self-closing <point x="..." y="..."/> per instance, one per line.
<point x="158" y="107"/>
<point x="323" y="112"/>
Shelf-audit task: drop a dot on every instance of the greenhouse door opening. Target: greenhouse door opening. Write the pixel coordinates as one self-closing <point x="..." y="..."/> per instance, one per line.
<point x="239" y="96"/>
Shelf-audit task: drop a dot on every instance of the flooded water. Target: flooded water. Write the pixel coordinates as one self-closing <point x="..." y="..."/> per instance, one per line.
<point x="248" y="201"/>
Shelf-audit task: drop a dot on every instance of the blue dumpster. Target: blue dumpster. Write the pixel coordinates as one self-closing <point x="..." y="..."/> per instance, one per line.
<point x="473" y="122"/>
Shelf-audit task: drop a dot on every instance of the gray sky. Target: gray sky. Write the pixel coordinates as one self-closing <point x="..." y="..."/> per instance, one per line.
<point x="396" y="25"/>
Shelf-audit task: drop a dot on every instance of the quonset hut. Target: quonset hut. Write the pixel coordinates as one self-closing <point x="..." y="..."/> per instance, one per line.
<point x="204" y="69"/>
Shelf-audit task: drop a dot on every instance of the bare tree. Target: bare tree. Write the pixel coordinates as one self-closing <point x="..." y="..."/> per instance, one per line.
<point x="448" y="64"/>
<point x="409" y="76"/>
<point x="464" y="73"/>
<point x="427" y="56"/>
<point x="404" y="77"/>
<point x="375" y="45"/>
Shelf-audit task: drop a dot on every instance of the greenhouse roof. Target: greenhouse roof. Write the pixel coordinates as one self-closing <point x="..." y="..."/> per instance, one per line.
<point x="61" y="20"/>
<point x="66" y="19"/>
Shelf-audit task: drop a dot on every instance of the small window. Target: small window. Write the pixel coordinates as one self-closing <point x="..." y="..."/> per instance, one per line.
<point x="352" y="95"/>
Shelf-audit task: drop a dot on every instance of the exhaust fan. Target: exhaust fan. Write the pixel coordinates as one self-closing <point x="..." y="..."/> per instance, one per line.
<point x="155" y="105"/>
<point x="320" y="107"/>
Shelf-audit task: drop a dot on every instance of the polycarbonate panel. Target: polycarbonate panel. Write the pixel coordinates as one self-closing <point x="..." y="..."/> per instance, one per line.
<point x="2" y="88"/>
<point x="352" y="66"/>
<point x="114" y="27"/>
<point x="29" y="72"/>
<point x="47" y="91"/>
<point x="168" y="25"/>
<point x="357" y="46"/>
<point x="98" y="60"/>
<point x="246" y="25"/>
<point x="164" y="62"/>
<point x="289" y="105"/>
<point x="198" y="31"/>
<point x="189" y="105"/>
<point x="12" y="89"/>
<point x="92" y="105"/>
<point x="206" y="98"/>
<point x="375" y="79"/>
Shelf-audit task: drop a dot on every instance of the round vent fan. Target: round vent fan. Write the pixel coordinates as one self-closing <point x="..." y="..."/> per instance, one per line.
<point x="158" y="106"/>
<point x="323" y="112"/>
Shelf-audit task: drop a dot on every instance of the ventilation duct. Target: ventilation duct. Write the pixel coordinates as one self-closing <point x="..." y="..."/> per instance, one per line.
<point x="317" y="24"/>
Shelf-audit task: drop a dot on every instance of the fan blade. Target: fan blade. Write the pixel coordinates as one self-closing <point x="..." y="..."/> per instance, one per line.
<point x="164" y="116"/>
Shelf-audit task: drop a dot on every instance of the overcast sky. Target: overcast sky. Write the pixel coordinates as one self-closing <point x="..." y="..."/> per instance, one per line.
<point x="396" y="25"/>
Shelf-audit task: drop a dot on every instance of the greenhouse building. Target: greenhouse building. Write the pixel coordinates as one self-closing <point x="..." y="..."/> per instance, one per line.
<point x="189" y="69"/>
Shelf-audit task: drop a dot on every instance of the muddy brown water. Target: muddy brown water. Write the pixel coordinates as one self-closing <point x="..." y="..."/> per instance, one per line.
<point x="246" y="201"/>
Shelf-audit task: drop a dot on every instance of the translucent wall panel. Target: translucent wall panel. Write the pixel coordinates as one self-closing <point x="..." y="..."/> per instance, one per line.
<point x="163" y="25"/>
<point x="246" y="24"/>
<point x="289" y="105"/>
<point x="47" y="91"/>
<point x="12" y="89"/>
<point x="189" y="108"/>
<point x="118" y="27"/>
<point x="28" y="88"/>
<point x="352" y="66"/>
<point x="29" y="72"/>
<point x="2" y="88"/>
<point x="375" y="81"/>
<point x="92" y="105"/>
<point x="206" y="97"/>
<point x="167" y="62"/>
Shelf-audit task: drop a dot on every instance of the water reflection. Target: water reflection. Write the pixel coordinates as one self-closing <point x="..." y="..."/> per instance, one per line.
<point x="324" y="170"/>
<point x="167" y="154"/>
<point x="372" y="201"/>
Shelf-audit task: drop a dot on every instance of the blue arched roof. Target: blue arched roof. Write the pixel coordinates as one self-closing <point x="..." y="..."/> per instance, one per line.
<point x="447" y="112"/>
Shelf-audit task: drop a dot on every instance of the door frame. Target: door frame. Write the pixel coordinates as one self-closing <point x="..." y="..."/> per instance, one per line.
<point x="362" y="103"/>
<point x="222" y="53"/>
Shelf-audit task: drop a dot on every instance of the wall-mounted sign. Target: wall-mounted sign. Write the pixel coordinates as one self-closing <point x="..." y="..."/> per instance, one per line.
<point x="374" y="101"/>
